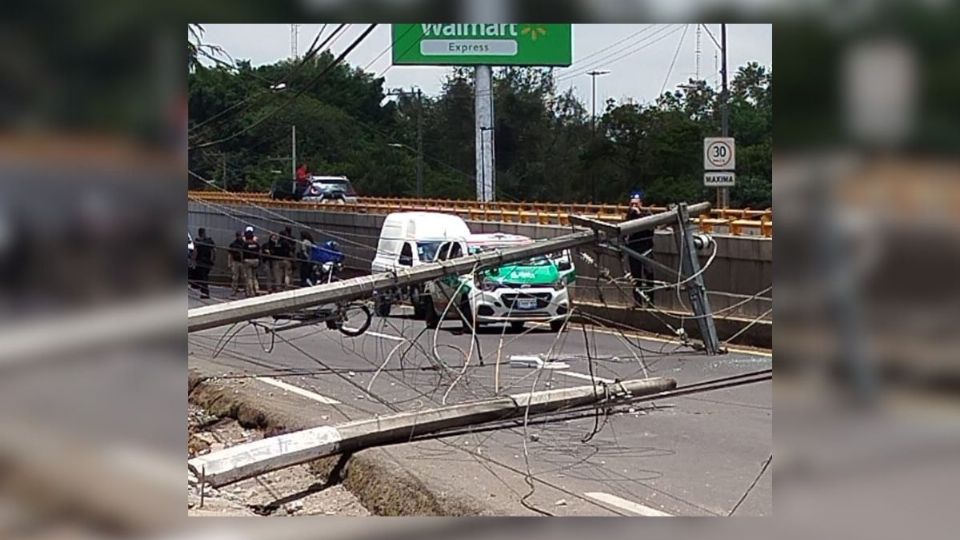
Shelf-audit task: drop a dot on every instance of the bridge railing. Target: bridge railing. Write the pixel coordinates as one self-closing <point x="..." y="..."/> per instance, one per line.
<point x="733" y="221"/>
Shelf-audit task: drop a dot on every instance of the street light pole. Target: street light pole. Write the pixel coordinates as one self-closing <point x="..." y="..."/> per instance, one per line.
<point x="417" y="92"/>
<point x="593" y="75"/>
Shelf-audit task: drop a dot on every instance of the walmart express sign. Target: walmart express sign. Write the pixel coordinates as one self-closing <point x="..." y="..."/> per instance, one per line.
<point x="483" y="44"/>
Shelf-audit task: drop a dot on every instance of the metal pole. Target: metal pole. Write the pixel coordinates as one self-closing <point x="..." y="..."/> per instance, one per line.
<point x="293" y="152"/>
<point x="724" y="98"/>
<point x="593" y="76"/>
<point x="593" y="101"/>
<point x="419" y="144"/>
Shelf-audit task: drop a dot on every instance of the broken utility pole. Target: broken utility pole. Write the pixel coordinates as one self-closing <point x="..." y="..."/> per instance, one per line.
<point x="226" y="313"/>
<point x="259" y="457"/>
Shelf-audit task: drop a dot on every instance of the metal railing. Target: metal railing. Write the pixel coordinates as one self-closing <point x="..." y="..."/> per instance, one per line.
<point x="733" y="221"/>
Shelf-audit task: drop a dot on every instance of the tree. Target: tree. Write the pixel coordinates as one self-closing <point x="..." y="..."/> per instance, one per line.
<point x="546" y="146"/>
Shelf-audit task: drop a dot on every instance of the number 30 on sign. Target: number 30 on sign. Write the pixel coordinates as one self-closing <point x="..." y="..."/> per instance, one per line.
<point x="719" y="154"/>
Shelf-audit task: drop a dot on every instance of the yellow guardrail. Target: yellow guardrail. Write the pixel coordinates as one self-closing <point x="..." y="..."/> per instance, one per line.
<point x="734" y="221"/>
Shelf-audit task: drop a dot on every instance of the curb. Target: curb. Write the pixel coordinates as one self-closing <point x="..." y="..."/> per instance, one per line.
<point x="381" y="484"/>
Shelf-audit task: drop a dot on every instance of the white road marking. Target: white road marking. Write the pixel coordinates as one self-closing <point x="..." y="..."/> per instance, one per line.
<point x="297" y="390"/>
<point x="583" y="376"/>
<point x="624" y="504"/>
<point x="385" y="336"/>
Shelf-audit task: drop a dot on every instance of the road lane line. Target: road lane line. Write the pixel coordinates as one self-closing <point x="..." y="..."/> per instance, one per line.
<point x="583" y="376"/>
<point x="624" y="504"/>
<point x="386" y="336"/>
<point x="297" y="390"/>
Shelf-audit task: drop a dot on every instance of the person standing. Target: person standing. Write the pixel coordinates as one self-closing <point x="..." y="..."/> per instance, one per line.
<point x="206" y="255"/>
<point x="250" y="257"/>
<point x="285" y="255"/>
<point x="641" y="242"/>
<point x="236" y="262"/>
<point x="304" y="249"/>
<point x="302" y="181"/>
<point x="270" y="251"/>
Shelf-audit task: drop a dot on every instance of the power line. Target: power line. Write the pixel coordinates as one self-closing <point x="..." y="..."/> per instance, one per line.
<point x="649" y="40"/>
<point x="287" y="103"/>
<point x="674" y="61"/>
<point x="311" y="52"/>
<point x="614" y="44"/>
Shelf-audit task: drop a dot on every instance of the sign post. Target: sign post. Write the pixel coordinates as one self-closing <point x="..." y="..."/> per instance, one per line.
<point x="719" y="163"/>
<point x="483" y="45"/>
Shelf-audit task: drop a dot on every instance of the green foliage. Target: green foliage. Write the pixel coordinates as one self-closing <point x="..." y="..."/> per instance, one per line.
<point x="547" y="147"/>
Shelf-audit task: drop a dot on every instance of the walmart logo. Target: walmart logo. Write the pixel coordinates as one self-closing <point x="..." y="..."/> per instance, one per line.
<point x="534" y="31"/>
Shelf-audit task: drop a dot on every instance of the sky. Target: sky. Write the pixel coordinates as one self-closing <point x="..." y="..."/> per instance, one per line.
<point x="638" y="56"/>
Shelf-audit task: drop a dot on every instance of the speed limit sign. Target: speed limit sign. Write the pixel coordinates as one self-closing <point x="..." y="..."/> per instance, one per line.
<point x="719" y="154"/>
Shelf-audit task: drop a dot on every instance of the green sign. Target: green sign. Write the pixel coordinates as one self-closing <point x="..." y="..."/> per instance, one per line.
<point x="483" y="44"/>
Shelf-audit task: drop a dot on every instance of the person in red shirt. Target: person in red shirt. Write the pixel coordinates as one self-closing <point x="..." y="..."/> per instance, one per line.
<point x="302" y="180"/>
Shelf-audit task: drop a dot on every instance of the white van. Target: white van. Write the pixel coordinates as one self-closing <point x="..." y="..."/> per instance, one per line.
<point x="408" y="239"/>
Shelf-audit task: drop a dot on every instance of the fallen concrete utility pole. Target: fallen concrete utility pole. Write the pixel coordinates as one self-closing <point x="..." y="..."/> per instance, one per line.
<point x="259" y="457"/>
<point x="216" y="315"/>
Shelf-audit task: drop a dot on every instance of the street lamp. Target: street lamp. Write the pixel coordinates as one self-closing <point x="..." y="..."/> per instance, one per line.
<point x="415" y="91"/>
<point x="280" y="87"/>
<point x="593" y="75"/>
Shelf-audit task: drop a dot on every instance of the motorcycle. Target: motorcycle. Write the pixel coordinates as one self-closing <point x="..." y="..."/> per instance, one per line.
<point x="349" y="318"/>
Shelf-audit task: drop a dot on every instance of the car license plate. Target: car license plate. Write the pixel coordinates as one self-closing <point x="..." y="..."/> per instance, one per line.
<point x="526" y="303"/>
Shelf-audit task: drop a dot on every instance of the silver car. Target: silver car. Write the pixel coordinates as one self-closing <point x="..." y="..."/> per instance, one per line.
<point x="330" y="189"/>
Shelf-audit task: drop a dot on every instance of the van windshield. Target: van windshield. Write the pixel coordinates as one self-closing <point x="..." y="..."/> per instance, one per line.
<point x="427" y="251"/>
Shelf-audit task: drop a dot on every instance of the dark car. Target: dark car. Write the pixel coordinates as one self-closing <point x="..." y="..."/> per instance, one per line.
<point x="286" y="189"/>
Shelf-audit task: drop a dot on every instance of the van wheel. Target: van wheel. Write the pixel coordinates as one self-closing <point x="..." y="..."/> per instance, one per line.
<point x="429" y="313"/>
<point x="383" y="309"/>
<point x="516" y="326"/>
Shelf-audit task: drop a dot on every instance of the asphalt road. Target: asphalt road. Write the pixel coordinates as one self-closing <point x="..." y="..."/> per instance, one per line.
<point x="692" y="455"/>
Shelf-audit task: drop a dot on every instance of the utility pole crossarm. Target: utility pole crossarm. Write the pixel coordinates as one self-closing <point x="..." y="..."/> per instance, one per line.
<point x="213" y="316"/>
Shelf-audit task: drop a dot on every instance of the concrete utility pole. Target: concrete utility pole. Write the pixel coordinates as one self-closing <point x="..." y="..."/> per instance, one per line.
<point x="724" y="99"/>
<point x="483" y="109"/>
<point x="419" y="144"/>
<point x="226" y="313"/>
<point x="273" y="453"/>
